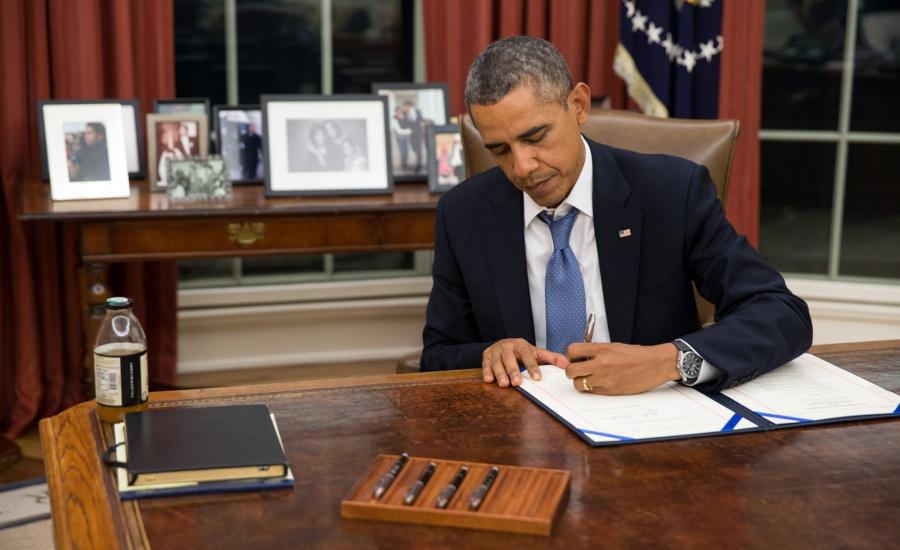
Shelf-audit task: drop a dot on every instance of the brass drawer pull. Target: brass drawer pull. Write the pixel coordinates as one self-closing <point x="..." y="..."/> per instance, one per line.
<point x="246" y="233"/>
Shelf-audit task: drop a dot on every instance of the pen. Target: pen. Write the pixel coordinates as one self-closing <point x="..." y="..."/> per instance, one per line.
<point x="416" y="488"/>
<point x="444" y="499"/>
<point x="480" y="492"/>
<point x="589" y="328"/>
<point x="388" y="478"/>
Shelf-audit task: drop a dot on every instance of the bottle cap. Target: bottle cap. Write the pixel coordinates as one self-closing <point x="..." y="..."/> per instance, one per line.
<point x="119" y="302"/>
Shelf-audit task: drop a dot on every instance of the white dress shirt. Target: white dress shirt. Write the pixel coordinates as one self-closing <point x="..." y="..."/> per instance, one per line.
<point x="539" y="247"/>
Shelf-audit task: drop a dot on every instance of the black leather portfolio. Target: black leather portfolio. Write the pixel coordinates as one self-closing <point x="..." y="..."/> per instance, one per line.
<point x="202" y="444"/>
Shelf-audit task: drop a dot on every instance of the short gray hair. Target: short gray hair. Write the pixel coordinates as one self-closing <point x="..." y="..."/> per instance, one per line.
<point x="518" y="60"/>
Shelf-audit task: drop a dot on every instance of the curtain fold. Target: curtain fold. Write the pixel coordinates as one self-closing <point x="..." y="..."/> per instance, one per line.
<point x="69" y="49"/>
<point x="585" y="31"/>
<point x="740" y="97"/>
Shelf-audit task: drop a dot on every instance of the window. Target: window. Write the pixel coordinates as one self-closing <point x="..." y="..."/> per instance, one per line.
<point x="830" y="138"/>
<point x="293" y="47"/>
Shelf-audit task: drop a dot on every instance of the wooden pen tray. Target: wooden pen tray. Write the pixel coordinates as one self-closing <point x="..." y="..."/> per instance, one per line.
<point x="521" y="500"/>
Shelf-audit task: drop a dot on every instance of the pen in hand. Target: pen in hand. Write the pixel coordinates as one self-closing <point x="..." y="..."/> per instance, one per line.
<point x="382" y="485"/>
<point x="589" y="328"/>
<point x="444" y="498"/>
<point x="413" y="493"/>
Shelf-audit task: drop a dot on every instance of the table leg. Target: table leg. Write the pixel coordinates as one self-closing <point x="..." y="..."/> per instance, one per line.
<point x="94" y="292"/>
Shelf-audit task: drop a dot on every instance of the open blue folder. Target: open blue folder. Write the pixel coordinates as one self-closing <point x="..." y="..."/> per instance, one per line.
<point x="808" y="390"/>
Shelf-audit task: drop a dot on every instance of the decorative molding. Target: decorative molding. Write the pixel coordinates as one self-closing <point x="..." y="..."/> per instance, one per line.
<point x="302" y="292"/>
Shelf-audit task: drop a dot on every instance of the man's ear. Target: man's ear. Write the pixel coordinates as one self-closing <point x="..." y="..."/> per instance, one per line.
<point x="580" y="100"/>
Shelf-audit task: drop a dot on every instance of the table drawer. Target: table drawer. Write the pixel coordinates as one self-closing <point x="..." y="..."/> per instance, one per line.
<point x="171" y="238"/>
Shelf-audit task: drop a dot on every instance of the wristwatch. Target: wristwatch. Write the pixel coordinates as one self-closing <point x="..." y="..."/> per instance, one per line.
<point x="689" y="362"/>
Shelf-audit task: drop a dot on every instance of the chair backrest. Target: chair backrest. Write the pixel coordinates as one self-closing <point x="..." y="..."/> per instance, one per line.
<point x="707" y="142"/>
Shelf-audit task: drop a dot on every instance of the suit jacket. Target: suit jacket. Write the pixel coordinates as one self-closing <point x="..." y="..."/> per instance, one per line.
<point x="679" y="234"/>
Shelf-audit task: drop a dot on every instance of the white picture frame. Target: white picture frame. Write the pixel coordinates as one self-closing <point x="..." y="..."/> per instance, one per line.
<point x="79" y="168"/>
<point x="326" y="145"/>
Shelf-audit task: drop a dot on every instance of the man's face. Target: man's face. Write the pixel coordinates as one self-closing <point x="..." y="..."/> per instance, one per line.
<point x="90" y="135"/>
<point x="536" y="144"/>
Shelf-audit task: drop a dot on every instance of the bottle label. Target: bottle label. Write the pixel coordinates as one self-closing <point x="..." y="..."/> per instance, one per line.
<point x="121" y="381"/>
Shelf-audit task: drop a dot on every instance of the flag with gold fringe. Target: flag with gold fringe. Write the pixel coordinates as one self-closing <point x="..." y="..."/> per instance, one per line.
<point x="668" y="55"/>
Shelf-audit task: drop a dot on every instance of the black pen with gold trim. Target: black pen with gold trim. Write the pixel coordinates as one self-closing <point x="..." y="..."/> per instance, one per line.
<point x="382" y="485"/>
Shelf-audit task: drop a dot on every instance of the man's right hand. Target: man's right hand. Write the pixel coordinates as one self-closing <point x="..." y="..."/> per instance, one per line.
<point x="500" y="361"/>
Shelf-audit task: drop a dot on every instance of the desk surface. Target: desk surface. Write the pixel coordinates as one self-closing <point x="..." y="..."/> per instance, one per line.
<point x="823" y="486"/>
<point x="247" y="200"/>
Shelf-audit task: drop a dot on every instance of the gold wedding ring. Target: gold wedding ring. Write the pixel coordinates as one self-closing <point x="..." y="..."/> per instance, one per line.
<point x="585" y="385"/>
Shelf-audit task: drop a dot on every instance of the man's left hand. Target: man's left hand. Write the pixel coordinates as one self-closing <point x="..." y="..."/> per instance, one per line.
<point x="621" y="369"/>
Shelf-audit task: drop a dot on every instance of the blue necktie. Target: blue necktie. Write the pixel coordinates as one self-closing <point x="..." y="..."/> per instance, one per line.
<point x="563" y="286"/>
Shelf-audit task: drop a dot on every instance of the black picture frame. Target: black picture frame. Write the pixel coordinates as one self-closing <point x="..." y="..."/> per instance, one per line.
<point x="221" y="145"/>
<point x="137" y="139"/>
<point x="395" y="90"/>
<point x="314" y="110"/>
<point x="438" y="182"/>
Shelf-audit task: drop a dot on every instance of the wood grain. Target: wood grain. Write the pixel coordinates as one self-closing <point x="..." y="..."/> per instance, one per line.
<point x="827" y="486"/>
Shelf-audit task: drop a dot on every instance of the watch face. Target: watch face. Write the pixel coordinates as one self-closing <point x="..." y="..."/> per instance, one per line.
<point x="691" y="364"/>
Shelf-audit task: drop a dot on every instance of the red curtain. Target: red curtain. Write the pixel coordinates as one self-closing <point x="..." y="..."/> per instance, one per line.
<point x="69" y="49"/>
<point x="740" y="97"/>
<point x="585" y="31"/>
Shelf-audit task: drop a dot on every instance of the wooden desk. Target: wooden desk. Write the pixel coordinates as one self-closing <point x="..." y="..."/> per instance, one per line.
<point x="146" y="226"/>
<point x="821" y="486"/>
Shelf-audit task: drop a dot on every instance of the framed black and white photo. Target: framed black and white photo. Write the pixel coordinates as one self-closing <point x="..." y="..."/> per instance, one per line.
<point x="131" y="128"/>
<point x="240" y="141"/>
<point x="198" y="178"/>
<point x="446" y="166"/>
<point x="411" y="109"/>
<point x="174" y="136"/>
<point x="84" y="148"/>
<point x="320" y="145"/>
<point x="191" y="105"/>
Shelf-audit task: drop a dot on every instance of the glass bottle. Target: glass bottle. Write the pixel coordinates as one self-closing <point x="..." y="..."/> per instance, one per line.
<point x="120" y="362"/>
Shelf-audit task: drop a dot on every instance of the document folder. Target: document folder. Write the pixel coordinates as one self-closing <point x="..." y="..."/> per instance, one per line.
<point x="807" y="390"/>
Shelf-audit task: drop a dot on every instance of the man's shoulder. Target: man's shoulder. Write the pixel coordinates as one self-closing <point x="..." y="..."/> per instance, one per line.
<point x="475" y="192"/>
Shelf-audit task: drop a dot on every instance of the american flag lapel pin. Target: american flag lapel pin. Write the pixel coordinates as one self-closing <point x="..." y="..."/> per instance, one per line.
<point x="624" y="232"/>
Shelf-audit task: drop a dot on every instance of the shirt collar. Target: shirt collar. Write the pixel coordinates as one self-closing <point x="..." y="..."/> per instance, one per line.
<point x="580" y="197"/>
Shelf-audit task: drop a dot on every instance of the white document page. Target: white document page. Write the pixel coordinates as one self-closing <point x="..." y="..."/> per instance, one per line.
<point x="809" y="389"/>
<point x="667" y="411"/>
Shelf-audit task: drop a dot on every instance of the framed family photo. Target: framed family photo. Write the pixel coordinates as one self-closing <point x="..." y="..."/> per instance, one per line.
<point x="173" y="137"/>
<point x="198" y="178"/>
<point x="326" y="145"/>
<point x="240" y="140"/>
<point x="83" y="147"/>
<point x="411" y="109"/>
<point x="131" y="128"/>
<point x="446" y="165"/>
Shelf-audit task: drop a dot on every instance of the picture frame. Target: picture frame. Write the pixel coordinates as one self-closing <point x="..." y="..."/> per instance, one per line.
<point x="412" y="107"/>
<point x="198" y="179"/>
<point x="84" y="148"/>
<point x="326" y="145"/>
<point x="131" y="127"/>
<point x="238" y="131"/>
<point x="173" y="136"/>
<point x="446" y="163"/>
<point x="182" y="105"/>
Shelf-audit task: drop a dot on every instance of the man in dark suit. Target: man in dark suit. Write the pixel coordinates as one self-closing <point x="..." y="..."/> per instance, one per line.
<point x="564" y="227"/>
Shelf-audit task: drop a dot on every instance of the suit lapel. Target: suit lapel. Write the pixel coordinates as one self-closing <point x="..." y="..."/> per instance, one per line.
<point x="505" y="245"/>
<point x="618" y="233"/>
